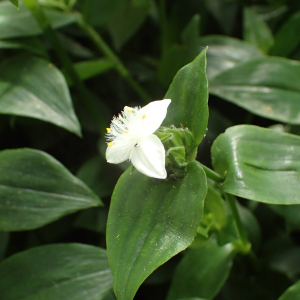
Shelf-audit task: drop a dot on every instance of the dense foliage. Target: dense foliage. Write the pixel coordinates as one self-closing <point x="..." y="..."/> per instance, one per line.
<point x="225" y="223"/>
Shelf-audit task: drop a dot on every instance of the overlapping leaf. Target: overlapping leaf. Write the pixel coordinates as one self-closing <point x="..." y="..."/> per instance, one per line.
<point x="259" y="164"/>
<point x="150" y="221"/>
<point x="33" y="87"/>
<point x="36" y="189"/>
<point x="72" y="271"/>
<point x="268" y="87"/>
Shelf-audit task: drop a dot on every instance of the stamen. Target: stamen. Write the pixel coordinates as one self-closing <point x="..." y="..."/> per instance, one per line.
<point x="110" y="143"/>
<point x="125" y="131"/>
<point x="129" y="110"/>
<point x="144" y="116"/>
<point x="108" y="130"/>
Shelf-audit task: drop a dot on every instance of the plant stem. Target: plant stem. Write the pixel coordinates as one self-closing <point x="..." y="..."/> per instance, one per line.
<point x="212" y="174"/>
<point x="163" y="25"/>
<point x="245" y="245"/>
<point x="87" y="97"/>
<point x="121" y="69"/>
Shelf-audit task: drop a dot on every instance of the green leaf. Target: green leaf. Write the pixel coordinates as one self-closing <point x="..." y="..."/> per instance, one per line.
<point x="126" y="20"/>
<point x="90" y="68"/>
<point x="189" y="94"/>
<point x="268" y="87"/>
<point x="36" y="189"/>
<point x="225" y="53"/>
<point x="256" y="31"/>
<point x="31" y="44"/>
<point x="203" y="271"/>
<point x="287" y="38"/>
<point x="20" y="23"/>
<point x="292" y="293"/>
<point x="33" y="87"/>
<point x="15" y="3"/>
<point x="150" y="221"/>
<point x="59" y="271"/>
<point x="259" y="164"/>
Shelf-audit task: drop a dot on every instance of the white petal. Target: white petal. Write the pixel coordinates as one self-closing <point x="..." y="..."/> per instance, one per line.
<point x="148" y="157"/>
<point x="120" y="150"/>
<point x="153" y="115"/>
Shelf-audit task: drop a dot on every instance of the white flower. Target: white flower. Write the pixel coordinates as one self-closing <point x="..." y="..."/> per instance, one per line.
<point x="130" y="136"/>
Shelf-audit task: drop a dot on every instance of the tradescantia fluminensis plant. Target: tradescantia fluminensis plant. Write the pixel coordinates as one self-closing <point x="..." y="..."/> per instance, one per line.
<point x="175" y="199"/>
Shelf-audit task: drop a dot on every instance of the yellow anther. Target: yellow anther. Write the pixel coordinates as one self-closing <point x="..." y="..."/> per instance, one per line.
<point x="129" y="110"/>
<point x="110" y="143"/>
<point x="108" y="130"/>
<point x="125" y="131"/>
<point x="119" y="118"/>
<point x="144" y="116"/>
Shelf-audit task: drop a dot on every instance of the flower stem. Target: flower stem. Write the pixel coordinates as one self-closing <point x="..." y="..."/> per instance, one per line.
<point x="121" y="69"/>
<point x="244" y="245"/>
<point x="85" y="94"/>
<point x="212" y="174"/>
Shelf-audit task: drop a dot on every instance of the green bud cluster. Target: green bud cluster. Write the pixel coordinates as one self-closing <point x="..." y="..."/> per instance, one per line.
<point x="180" y="149"/>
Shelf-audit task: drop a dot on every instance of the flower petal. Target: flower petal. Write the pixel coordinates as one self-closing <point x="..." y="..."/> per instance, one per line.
<point x="148" y="157"/>
<point x="153" y="115"/>
<point x="119" y="149"/>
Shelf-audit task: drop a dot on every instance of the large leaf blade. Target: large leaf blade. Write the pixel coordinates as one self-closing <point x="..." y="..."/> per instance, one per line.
<point x="268" y="87"/>
<point x="150" y="221"/>
<point x="54" y="271"/>
<point x="259" y="164"/>
<point x="189" y="95"/>
<point x="35" y="189"/>
<point x="33" y="87"/>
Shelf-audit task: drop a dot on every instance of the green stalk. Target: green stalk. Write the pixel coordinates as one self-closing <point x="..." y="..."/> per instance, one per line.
<point x="244" y="245"/>
<point x="163" y="25"/>
<point x="121" y="69"/>
<point x="212" y="174"/>
<point x="86" y="96"/>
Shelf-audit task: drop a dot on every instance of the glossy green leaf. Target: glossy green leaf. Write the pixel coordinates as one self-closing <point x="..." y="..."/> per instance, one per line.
<point x="59" y="271"/>
<point x="226" y="52"/>
<point x="268" y="87"/>
<point x="189" y="94"/>
<point x="15" y="3"/>
<point x="259" y="164"/>
<point x="203" y="271"/>
<point x="287" y="38"/>
<point x="90" y="68"/>
<point x="20" y="23"/>
<point x="292" y="293"/>
<point x="33" y="87"/>
<point x="150" y="221"/>
<point x="36" y="189"/>
<point x="31" y="44"/>
<point x="126" y="20"/>
<point x="256" y="31"/>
